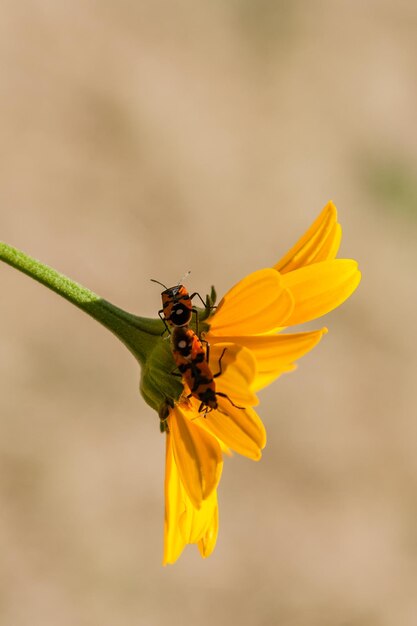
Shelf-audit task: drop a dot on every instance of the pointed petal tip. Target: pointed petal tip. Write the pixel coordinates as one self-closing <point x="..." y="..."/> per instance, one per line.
<point x="331" y="208"/>
<point x="320" y="242"/>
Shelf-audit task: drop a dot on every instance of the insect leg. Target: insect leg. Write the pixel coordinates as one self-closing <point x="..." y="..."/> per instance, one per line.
<point x="162" y="317"/>
<point x="197" y="294"/>
<point x="224" y="395"/>
<point x="220" y="365"/>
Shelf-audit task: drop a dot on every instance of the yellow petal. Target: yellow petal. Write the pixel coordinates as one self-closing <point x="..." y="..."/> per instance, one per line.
<point x="320" y="243"/>
<point x="207" y="543"/>
<point x="320" y="288"/>
<point x="202" y="422"/>
<point x="174" y="542"/>
<point x="264" y="379"/>
<point x="330" y="247"/>
<point x="257" y="304"/>
<point x="238" y="370"/>
<point x="240" y="429"/>
<point x="194" y="523"/>
<point x="183" y="523"/>
<point x="275" y="354"/>
<point x="197" y="455"/>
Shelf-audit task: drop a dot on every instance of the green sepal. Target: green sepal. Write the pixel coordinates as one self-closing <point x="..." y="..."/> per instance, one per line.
<point x="157" y="384"/>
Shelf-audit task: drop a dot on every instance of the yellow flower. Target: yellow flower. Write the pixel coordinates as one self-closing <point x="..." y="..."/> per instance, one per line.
<point x="304" y="285"/>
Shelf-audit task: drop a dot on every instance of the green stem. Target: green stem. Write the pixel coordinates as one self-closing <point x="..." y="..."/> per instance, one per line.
<point x="137" y="333"/>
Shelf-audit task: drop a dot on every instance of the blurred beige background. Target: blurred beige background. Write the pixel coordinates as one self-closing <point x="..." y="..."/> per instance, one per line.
<point x="142" y="139"/>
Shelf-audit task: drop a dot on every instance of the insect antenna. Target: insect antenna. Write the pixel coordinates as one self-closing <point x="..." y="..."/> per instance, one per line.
<point x="181" y="280"/>
<point x="158" y="283"/>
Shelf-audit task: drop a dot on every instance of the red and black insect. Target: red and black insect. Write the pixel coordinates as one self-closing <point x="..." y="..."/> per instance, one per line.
<point x="192" y="361"/>
<point x="177" y="308"/>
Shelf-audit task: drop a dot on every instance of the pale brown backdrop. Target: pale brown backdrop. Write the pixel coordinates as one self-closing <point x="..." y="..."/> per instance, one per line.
<point x="142" y="139"/>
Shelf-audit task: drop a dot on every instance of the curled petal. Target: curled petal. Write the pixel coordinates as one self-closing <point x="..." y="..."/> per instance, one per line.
<point x="320" y="243"/>
<point x="183" y="523"/>
<point x="330" y="246"/>
<point x="197" y="455"/>
<point x="207" y="542"/>
<point x="194" y="524"/>
<point x="240" y="429"/>
<point x="320" y="288"/>
<point x="257" y="304"/>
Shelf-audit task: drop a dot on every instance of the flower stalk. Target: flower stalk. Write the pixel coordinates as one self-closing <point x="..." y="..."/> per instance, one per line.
<point x="141" y="335"/>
